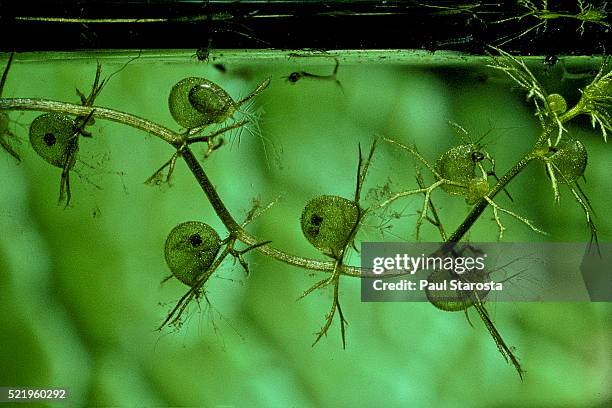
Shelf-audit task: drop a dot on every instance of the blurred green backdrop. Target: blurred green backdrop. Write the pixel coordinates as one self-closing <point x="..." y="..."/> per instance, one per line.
<point x="81" y="294"/>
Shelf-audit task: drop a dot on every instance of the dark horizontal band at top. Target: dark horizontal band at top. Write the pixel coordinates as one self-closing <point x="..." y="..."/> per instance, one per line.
<point x="429" y="25"/>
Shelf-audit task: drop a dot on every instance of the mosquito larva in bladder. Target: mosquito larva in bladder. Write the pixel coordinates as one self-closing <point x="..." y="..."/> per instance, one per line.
<point x="556" y="103"/>
<point x="196" y="102"/>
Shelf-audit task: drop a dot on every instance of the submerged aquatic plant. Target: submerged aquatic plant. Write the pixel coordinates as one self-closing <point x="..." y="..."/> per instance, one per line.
<point x="194" y="250"/>
<point x="587" y="14"/>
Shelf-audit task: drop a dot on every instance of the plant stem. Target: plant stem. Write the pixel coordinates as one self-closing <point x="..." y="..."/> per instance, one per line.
<point x="482" y="204"/>
<point x="178" y="141"/>
<point x="137" y="122"/>
<point x="513" y="172"/>
<point x="231" y="224"/>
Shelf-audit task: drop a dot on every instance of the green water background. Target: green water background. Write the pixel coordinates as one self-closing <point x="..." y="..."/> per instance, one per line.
<point x="81" y="294"/>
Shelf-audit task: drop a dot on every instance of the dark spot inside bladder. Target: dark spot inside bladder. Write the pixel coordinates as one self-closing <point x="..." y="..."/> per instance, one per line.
<point x="315" y="225"/>
<point x="477" y="157"/>
<point x="49" y="139"/>
<point x="195" y="240"/>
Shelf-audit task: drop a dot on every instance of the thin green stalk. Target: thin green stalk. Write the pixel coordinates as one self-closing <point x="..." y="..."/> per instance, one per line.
<point x="480" y="206"/>
<point x="243" y="236"/>
<point x="178" y="141"/>
<point x="45" y="105"/>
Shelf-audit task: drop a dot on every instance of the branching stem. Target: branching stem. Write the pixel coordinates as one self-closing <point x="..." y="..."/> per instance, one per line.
<point x="177" y="140"/>
<point x="180" y="140"/>
<point x="45" y="105"/>
<point x="482" y="204"/>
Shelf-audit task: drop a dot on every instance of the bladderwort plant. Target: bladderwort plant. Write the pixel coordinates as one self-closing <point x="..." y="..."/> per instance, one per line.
<point x="6" y="136"/>
<point x="587" y="14"/>
<point x="194" y="250"/>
